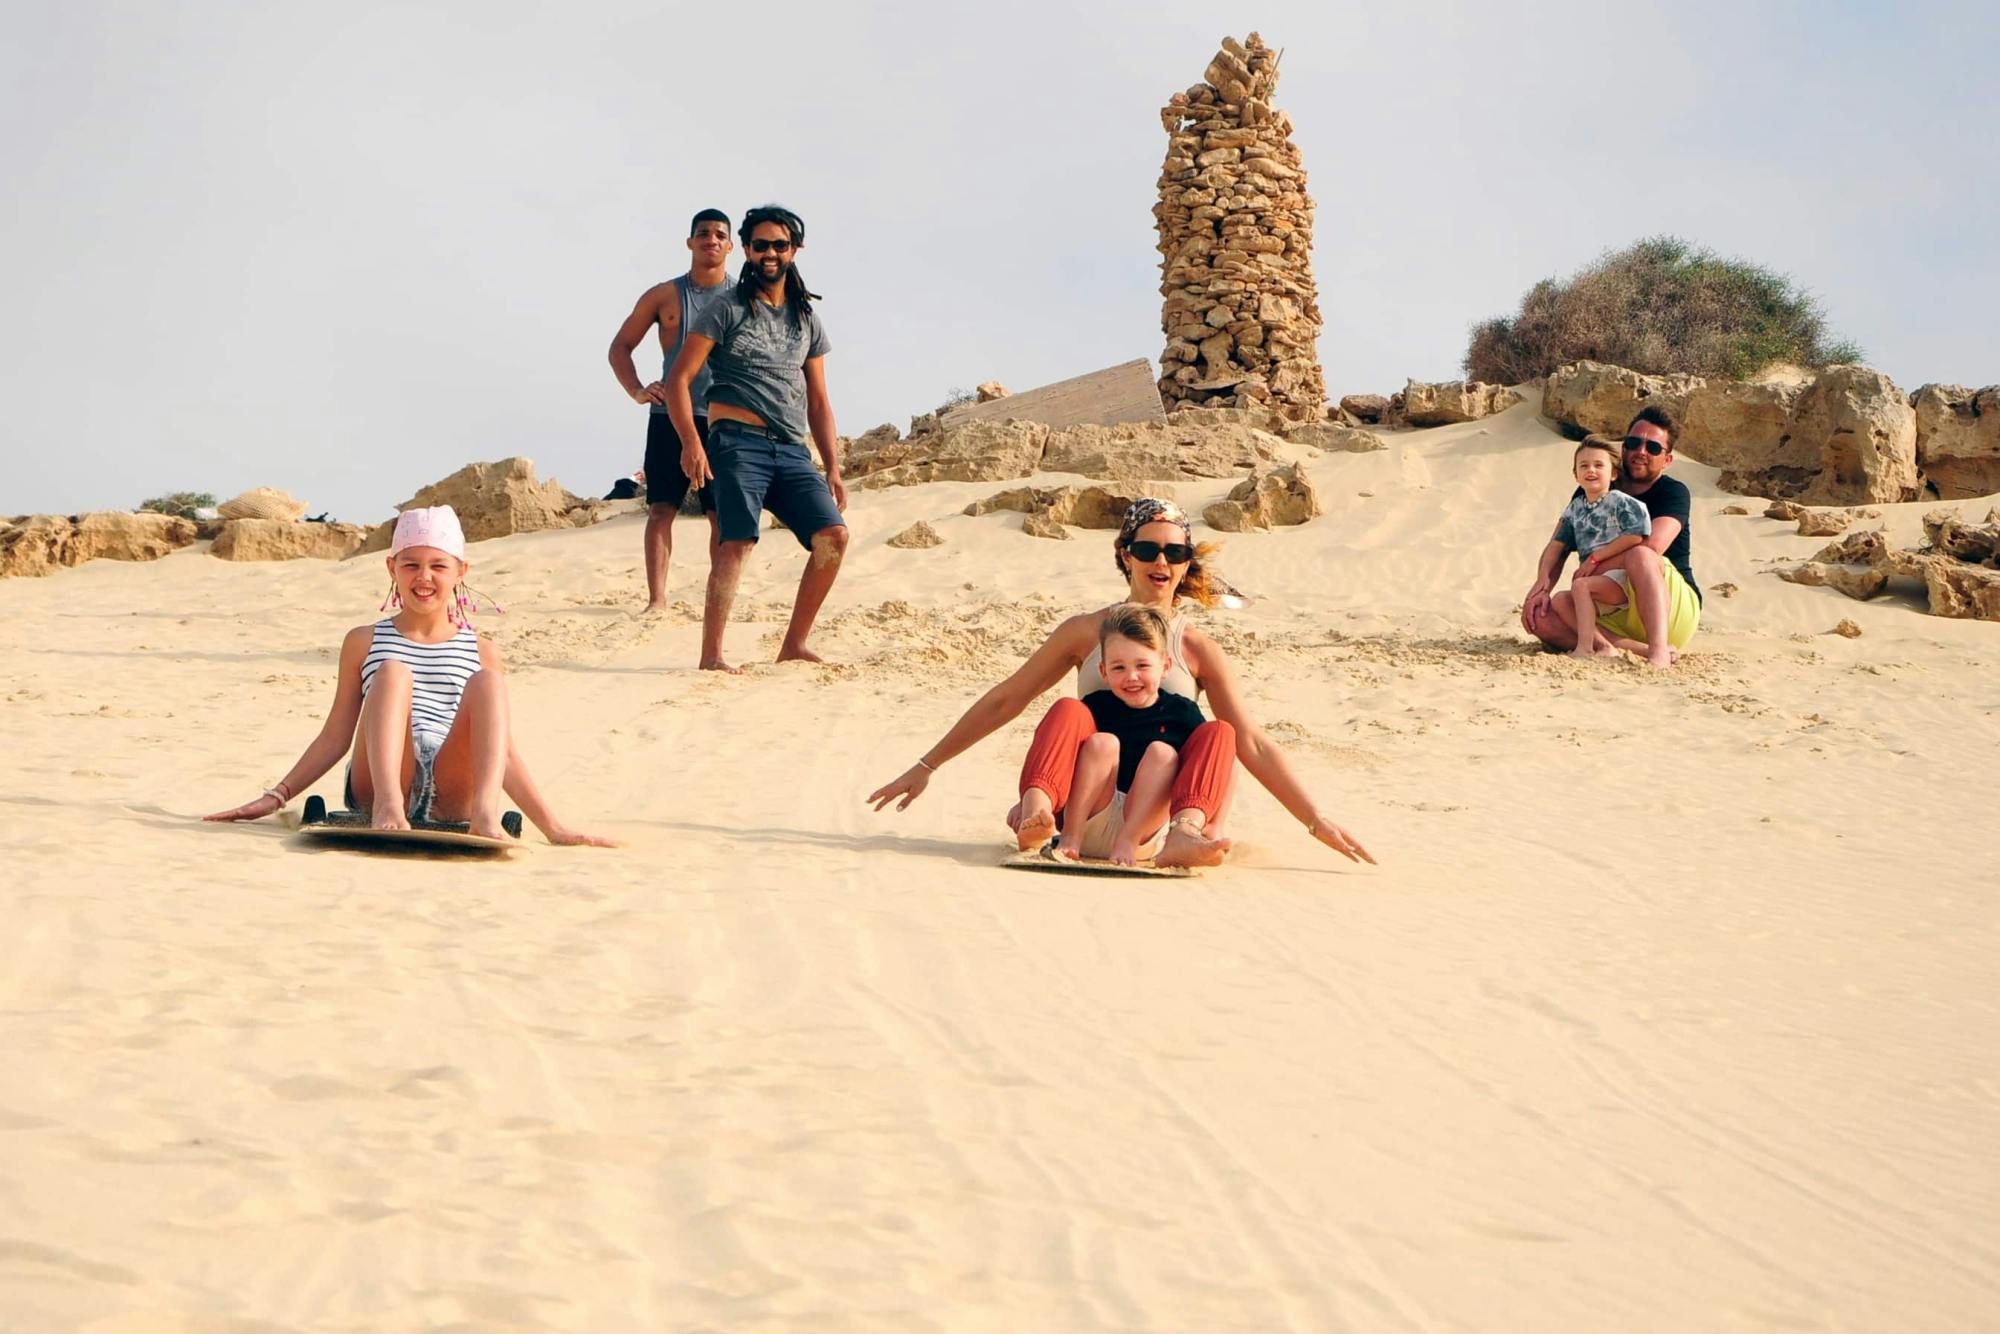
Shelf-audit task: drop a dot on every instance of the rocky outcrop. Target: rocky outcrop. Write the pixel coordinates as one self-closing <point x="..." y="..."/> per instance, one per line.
<point x="976" y="451"/>
<point x="495" y="499"/>
<point x="1958" y="439"/>
<point x="276" y="539"/>
<point x="1241" y="310"/>
<point x="40" y="544"/>
<point x="1843" y="436"/>
<point x="917" y="536"/>
<point x="265" y="502"/>
<point x="990" y="390"/>
<point x="1453" y="401"/>
<point x="1078" y="506"/>
<point x="1369" y="409"/>
<point x="1959" y="566"/>
<point x="1186" y="445"/>
<point x="1041" y="525"/>
<point x="1587" y="397"/>
<point x="1281" y="498"/>
<point x="1333" y="438"/>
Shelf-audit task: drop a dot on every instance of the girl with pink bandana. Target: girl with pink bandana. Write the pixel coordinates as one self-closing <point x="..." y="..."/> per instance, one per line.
<point x="421" y="700"/>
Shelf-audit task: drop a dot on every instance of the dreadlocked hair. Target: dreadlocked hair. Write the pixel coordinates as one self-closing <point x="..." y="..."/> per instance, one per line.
<point x="1200" y="583"/>
<point x="798" y="298"/>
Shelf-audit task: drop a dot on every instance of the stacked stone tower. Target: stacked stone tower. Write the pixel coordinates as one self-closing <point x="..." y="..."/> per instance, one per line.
<point x="1241" y="313"/>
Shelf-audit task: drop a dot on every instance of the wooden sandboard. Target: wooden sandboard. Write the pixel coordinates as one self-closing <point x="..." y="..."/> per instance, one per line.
<point x="352" y="828"/>
<point x="1045" y="859"/>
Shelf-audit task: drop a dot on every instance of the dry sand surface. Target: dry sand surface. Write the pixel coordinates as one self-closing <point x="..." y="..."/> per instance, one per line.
<point x="1671" y="1006"/>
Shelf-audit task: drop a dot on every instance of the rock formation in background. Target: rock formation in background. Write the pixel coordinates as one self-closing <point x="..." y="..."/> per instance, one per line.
<point x="1241" y="313"/>
<point x="1959" y="565"/>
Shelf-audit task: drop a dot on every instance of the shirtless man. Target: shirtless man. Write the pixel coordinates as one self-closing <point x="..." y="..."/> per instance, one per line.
<point x="766" y="352"/>
<point x="671" y="307"/>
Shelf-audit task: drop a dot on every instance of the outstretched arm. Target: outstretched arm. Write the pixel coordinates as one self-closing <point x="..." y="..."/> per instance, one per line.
<point x="1068" y="646"/>
<point x="1260" y="755"/>
<point x="653" y="308"/>
<point x="336" y="734"/>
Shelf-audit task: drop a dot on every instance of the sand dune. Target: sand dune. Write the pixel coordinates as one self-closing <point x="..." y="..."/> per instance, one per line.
<point x="1670" y="1006"/>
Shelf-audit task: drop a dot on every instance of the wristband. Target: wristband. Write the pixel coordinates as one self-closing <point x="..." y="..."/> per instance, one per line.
<point x="279" y="791"/>
<point x="926" y="764"/>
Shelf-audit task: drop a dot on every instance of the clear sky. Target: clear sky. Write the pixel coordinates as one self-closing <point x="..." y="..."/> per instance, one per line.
<point x="344" y="249"/>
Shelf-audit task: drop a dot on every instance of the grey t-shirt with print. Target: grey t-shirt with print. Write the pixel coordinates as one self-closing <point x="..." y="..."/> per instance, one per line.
<point x="759" y="361"/>
<point x="1586" y="527"/>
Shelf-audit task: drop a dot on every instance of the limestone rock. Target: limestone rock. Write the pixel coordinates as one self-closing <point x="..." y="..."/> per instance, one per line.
<point x="1824" y="523"/>
<point x="495" y="499"/>
<point x="1368" y="408"/>
<point x="1724" y="590"/>
<point x="1591" y="396"/>
<point x="1979" y="544"/>
<point x="1958" y="439"/>
<point x="974" y="451"/>
<point x="1078" y="506"/>
<point x="1865" y="435"/>
<point x="1869" y="548"/>
<point x="1453" y="401"/>
<point x="1846" y="629"/>
<point x="40" y="544"/>
<point x="991" y="390"/>
<point x="265" y="502"/>
<point x="1734" y="509"/>
<point x="1859" y="582"/>
<point x="1956" y="588"/>
<point x="1040" y="525"/>
<point x="1743" y="426"/>
<point x="1283" y="497"/>
<point x="1185" y="445"/>
<point x="276" y="539"/>
<point x="918" y="535"/>
<point x="1333" y="438"/>
<point x="1784" y="510"/>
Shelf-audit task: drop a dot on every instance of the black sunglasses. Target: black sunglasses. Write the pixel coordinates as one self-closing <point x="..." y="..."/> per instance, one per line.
<point x="760" y="245"/>
<point x="1177" y="553"/>
<point x="1633" y="442"/>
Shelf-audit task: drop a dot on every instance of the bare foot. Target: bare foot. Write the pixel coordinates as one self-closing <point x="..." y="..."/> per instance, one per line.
<point x="1605" y="651"/>
<point x="489" y="828"/>
<point x="1070" y="852"/>
<point x="801" y="654"/>
<point x="386" y="816"/>
<point x="654" y="609"/>
<point x="718" y="665"/>
<point x="1123" y="854"/>
<point x="1186" y="847"/>
<point x="1034" y="820"/>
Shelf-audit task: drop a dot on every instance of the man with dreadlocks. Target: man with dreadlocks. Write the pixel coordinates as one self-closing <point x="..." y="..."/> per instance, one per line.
<point x="765" y="350"/>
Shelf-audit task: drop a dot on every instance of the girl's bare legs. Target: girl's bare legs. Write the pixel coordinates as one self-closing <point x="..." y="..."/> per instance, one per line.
<point x="381" y="747"/>
<point x="1145" y="802"/>
<point x="1090" y="791"/>
<point x="471" y="765"/>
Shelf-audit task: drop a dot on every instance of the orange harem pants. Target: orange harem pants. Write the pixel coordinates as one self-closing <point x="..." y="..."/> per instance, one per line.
<point x="1207" y="768"/>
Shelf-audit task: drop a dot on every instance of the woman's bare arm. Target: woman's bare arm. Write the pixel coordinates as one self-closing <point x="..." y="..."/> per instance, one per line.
<point x="1064" y="649"/>
<point x="1260" y="755"/>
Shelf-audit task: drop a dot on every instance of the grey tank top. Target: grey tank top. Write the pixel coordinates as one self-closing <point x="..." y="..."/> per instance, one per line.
<point x="1177" y="679"/>
<point x="694" y="300"/>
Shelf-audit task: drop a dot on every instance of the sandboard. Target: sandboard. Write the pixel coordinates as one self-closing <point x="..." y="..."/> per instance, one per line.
<point x="353" y="829"/>
<point x="1045" y="859"/>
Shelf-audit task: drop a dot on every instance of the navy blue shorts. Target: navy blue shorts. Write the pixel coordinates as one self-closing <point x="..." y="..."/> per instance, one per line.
<point x="666" y="484"/>
<point x="756" y="471"/>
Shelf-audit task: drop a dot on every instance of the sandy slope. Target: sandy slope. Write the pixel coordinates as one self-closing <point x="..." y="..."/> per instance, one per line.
<point x="1670" y="1007"/>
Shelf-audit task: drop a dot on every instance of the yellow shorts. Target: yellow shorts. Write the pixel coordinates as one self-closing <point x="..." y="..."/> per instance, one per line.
<point x="1683" y="614"/>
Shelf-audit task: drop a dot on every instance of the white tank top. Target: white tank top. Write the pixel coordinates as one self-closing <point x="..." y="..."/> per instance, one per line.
<point x="1177" y="679"/>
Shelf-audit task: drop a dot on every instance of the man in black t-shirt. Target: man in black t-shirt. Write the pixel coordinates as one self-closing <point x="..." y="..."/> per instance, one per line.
<point x="1665" y="607"/>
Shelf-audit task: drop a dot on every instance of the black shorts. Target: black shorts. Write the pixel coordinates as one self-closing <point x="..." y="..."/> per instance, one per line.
<point x="757" y="471"/>
<point x="666" y="484"/>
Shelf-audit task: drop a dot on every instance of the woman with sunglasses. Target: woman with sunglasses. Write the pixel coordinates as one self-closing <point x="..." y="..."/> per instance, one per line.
<point x="1162" y="566"/>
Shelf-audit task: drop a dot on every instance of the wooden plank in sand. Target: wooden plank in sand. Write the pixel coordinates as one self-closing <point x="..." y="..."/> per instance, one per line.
<point x="1125" y="393"/>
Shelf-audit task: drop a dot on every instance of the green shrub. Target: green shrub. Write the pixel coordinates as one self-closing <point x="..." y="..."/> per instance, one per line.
<point x="1659" y="306"/>
<point x="180" y="503"/>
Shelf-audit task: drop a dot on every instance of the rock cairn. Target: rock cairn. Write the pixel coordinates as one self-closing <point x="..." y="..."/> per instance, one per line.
<point x="1241" y="313"/>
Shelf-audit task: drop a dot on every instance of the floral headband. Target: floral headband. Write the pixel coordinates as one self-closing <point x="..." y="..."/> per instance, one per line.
<point x="1151" y="509"/>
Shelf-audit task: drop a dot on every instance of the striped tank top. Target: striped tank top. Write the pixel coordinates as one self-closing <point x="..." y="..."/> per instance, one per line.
<point x="438" y="673"/>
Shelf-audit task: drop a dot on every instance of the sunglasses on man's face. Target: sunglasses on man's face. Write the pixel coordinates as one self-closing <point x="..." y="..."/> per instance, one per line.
<point x="761" y="244"/>
<point x="1177" y="553"/>
<point x="1633" y="442"/>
